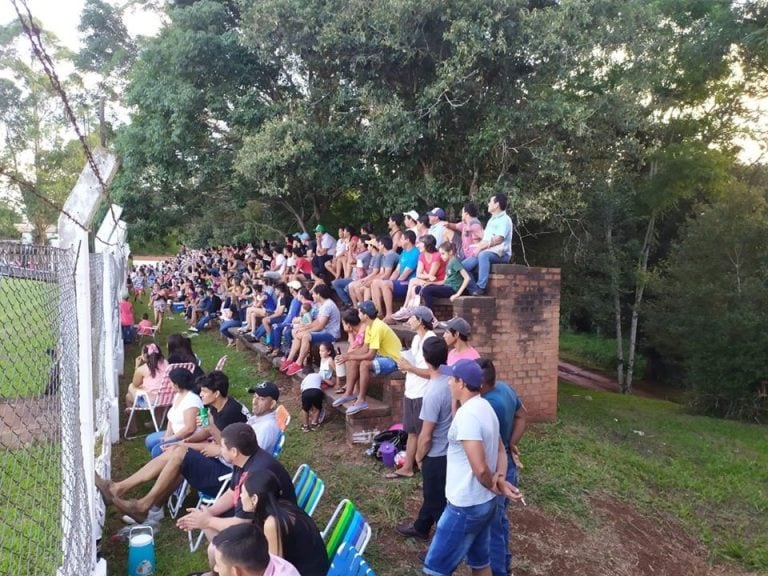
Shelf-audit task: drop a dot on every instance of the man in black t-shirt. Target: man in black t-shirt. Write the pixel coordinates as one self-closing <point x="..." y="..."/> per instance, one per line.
<point x="223" y="410"/>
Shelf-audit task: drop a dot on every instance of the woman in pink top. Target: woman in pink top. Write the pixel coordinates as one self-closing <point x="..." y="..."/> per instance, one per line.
<point x="431" y="268"/>
<point x="148" y="376"/>
<point x="126" y="319"/>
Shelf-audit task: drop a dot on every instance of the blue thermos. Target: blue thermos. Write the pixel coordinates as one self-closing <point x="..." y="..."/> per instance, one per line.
<point x="141" y="551"/>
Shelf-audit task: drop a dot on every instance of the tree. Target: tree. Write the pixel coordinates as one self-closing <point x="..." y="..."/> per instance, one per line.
<point x="8" y="217"/>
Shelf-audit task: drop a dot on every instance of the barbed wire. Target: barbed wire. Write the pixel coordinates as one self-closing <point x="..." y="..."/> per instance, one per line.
<point x="33" y="33"/>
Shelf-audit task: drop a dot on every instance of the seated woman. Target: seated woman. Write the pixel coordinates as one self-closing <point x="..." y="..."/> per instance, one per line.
<point x="290" y="532"/>
<point x="180" y="352"/>
<point x="182" y="414"/>
<point x="457" y="280"/>
<point x="431" y="269"/>
<point x="148" y="376"/>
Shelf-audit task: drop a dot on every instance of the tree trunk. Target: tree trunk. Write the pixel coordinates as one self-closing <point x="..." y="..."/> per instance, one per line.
<point x="616" y="293"/>
<point x="640" y="282"/>
<point x="102" y="122"/>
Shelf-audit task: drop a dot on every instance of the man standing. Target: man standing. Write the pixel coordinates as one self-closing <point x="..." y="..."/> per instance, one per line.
<point x="432" y="442"/>
<point x="512" y="417"/>
<point x="378" y="354"/>
<point x="496" y="245"/>
<point x="475" y="475"/>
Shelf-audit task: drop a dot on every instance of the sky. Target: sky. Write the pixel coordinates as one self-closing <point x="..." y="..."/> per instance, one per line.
<point x="63" y="16"/>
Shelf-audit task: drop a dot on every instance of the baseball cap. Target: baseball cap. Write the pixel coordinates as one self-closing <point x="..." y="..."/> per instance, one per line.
<point x="294" y="285"/>
<point x="412" y="214"/>
<point x="368" y="308"/>
<point x="319" y="228"/>
<point x="423" y="313"/>
<point x="439" y="212"/>
<point x="457" y="324"/>
<point x="266" y="388"/>
<point x="467" y="370"/>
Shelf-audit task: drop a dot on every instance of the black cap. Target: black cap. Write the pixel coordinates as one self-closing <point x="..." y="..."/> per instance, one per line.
<point x="266" y="388"/>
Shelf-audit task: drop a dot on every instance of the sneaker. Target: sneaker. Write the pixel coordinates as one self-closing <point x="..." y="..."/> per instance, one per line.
<point x="343" y="400"/>
<point x="355" y="408"/>
<point x="284" y="366"/>
<point x="402" y="315"/>
<point x="243" y="329"/>
<point x="305" y="428"/>
<point x="408" y="530"/>
<point x="193" y="329"/>
<point x="293" y="369"/>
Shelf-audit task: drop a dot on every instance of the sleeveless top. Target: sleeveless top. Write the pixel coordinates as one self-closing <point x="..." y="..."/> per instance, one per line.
<point x="302" y="545"/>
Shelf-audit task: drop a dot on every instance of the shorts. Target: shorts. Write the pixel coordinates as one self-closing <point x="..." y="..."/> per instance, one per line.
<point x="411" y="410"/>
<point x="159" y="305"/>
<point x="399" y="289"/>
<point x="383" y="365"/>
<point x="312" y="398"/>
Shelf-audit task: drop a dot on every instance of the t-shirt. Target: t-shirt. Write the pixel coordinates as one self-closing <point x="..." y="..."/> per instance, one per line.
<point x="260" y="460"/>
<point x="303" y="265"/>
<point x="468" y="354"/>
<point x="426" y="259"/>
<point x="176" y="413"/>
<point x="374" y="263"/>
<point x="453" y="277"/>
<point x="303" y="545"/>
<point x="329" y="243"/>
<point x="126" y="313"/>
<point x="389" y="260"/>
<point x="505" y="402"/>
<point x="409" y="259"/>
<point x="279" y="567"/>
<point x="380" y="337"/>
<point x="267" y="430"/>
<point x="231" y="412"/>
<point x="500" y="225"/>
<point x="474" y="420"/>
<point x="415" y="385"/>
<point x="438" y="231"/>
<point x="471" y="233"/>
<point x="329" y="310"/>
<point x="436" y="408"/>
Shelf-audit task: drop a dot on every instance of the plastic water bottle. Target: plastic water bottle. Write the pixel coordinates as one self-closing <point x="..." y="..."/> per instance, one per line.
<point x="141" y="551"/>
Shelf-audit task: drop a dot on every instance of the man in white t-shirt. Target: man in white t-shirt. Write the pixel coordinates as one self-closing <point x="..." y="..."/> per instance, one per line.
<point x="475" y="475"/>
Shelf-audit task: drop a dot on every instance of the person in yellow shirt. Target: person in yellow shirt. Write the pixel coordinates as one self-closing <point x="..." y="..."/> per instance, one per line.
<point x="378" y="355"/>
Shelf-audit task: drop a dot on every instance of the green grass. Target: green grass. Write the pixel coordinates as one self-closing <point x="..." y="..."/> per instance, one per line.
<point x="710" y="474"/>
<point x="28" y="312"/>
<point x="30" y="531"/>
<point x="595" y="352"/>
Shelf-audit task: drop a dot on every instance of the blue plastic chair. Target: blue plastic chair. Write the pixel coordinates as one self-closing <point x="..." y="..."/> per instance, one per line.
<point x="349" y="562"/>
<point x="346" y="526"/>
<point x="279" y="446"/>
<point x="309" y="488"/>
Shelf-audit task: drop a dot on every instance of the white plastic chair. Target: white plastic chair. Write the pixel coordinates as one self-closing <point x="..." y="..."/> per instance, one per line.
<point x="207" y="500"/>
<point x="163" y="399"/>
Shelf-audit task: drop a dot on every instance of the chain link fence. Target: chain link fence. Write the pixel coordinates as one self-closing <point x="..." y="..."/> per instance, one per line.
<point x="46" y="526"/>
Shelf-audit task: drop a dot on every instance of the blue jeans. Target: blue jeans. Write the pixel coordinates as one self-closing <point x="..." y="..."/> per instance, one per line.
<point x="340" y="286"/>
<point x="129" y="332"/>
<point x="224" y="328"/>
<point x="461" y="532"/>
<point x="277" y="334"/>
<point x="203" y="322"/>
<point x="317" y="337"/>
<point x="154" y="443"/>
<point x="383" y="365"/>
<point x="483" y="263"/>
<point x="501" y="556"/>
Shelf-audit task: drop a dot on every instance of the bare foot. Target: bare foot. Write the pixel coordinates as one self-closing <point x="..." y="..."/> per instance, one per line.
<point x="105" y="488"/>
<point x="131" y="508"/>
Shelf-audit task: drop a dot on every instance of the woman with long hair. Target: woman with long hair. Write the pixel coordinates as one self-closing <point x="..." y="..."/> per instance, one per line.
<point x="148" y="375"/>
<point x="290" y="532"/>
<point x="180" y="352"/>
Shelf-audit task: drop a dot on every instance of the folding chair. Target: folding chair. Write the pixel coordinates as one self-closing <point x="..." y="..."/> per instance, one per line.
<point x="147" y="333"/>
<point x="346" y="526"/>
<point x="220" y="364"/>
<point x="283" y="417"/>
<point x="163" y="399"/>
<point x="207" y="500"/>
<point x="278" y="449"/>
<point x="349" y="562"/>
<point x="176" y="500"/>
<point x="309" y="488"/>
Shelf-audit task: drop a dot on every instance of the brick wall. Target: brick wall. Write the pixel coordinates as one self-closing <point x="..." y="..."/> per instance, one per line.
<point x="517" y="325"/>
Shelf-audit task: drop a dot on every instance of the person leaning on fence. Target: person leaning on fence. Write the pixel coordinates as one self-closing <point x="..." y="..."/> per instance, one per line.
<point x="242" y="550"/>
<point x="475" y="475"/>
<point x="240" y="448"/>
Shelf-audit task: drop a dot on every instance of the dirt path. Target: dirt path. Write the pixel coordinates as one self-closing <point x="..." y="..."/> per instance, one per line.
<point x="595" y="380"/>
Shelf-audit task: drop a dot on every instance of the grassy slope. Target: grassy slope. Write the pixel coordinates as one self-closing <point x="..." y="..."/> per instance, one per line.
<point x="710" y="474"/>
<point x="595" y="352"/>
